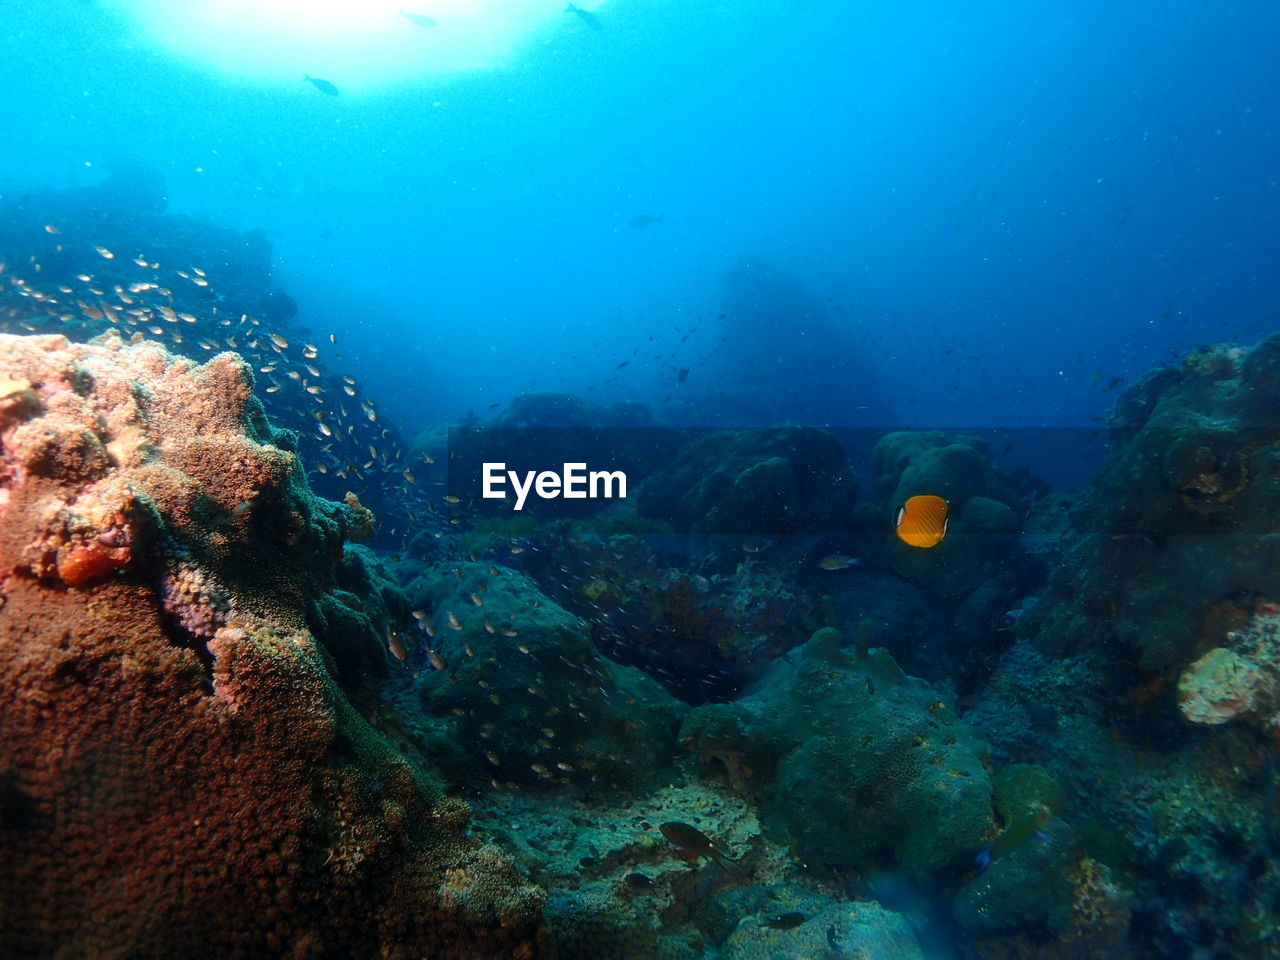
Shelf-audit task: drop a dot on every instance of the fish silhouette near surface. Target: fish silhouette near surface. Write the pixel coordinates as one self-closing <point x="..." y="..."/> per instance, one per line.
<point x="418" y="19"/>
<point x="589" y="18"/>
<point x="324" y="86"/>
<point x="645" y="220"/>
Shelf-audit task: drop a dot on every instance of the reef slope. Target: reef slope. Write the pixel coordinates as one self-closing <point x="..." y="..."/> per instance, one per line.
<point x="182" y="770"/>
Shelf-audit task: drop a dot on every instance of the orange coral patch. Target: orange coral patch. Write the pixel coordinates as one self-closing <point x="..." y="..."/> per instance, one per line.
<point x="89" y="561"/>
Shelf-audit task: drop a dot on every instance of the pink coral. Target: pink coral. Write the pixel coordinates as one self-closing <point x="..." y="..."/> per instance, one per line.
<point x="180" y="773"/>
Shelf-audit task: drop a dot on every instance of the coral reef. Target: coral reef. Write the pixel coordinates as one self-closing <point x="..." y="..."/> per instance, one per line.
<point x="703" y="635"/>
<point x="864" y="765"/>
<point x="1182" y="516"/>
<point x="1030" y="885"/>
<point x="1176" y="812"/>
<point x="1239" y="679"/>
<point x="621" y="889"/>
<point x="183" y="773"/>
<point x="943" y="611"/>
<point x="864" y="930"/>
<point x="91" y="260"/>
<point x="518" y="679"/>
<point x="743" y="482"/>
<point x="987" y="503"/>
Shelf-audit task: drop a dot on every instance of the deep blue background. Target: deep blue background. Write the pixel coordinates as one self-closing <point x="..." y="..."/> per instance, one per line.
<point x="873" y="212"/>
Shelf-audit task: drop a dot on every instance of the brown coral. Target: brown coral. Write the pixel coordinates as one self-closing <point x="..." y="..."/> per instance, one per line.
<point x="180" y="773"/>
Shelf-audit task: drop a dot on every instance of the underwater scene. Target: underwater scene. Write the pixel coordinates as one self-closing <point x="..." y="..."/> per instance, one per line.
<point x="639" y="480"/>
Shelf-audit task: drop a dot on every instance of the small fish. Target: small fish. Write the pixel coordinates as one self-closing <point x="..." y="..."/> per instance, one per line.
<point x="278" y="340"/>
<point x="1017" y="834"/>
<point x="324" y="86"/>
<point x="454" y="622"/>
<point x="589" y="18"/>
<point x="452" y="499"/>
<point x="436" y="660"/>
<point x="50" y="228"/>
<point x="691" y="840"/>
<point x="784" y="921"/>
<point x="922" y="521"/>
<point x="682" y="375"/>
<point x="418" y="19"/>
<point x="396" y="645"/>
<point x="838" y="561"/>
<point x="105" y="253"/>
<point x="637" y="881"/>
<point x="756" y="544"/>
<point x="645" y="220"/>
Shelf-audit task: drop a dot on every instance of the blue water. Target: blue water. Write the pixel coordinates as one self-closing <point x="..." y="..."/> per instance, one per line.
<point x="995" y="216"/>
<point x="977" y="216"/>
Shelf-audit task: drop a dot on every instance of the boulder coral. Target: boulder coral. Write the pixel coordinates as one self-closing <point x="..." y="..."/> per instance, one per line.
<point x="770" y="481"/>
<point x="520" y="683"/>
<point x="1181" y="518"/>
<point x="864" y="930"/>
<point x="863" y="765"/>
<point x="181" y="772"/>
<point x="986" y="501"/>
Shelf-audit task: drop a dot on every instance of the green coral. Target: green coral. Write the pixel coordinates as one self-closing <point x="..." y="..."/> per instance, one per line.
<point x="986" y="502"/>
<point x="1181" y="517"/>
<point x="527" y="693"/>
<point x="860" y="763"/>
<point x="1032" y="884"/>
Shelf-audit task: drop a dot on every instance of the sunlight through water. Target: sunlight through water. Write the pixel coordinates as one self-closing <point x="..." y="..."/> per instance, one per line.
<point x="356" y="44"/>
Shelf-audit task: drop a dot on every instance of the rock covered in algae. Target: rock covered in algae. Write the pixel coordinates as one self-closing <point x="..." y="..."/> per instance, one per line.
<point x="181" y="773"/>
<point x="1239" y="679"/>
<point x="864" y="930"/>
<point x="768" y="481"/>
<point x="1182" y="515"/>
<point x="520" y="683"/>
<point x="864" y="765"/>
<point x="986" y="503"/>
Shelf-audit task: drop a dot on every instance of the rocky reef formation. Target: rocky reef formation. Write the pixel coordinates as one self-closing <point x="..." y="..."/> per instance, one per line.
<point x="784" y="480"/>
<point x="87" y="261"/>
<point x="943" y="612"/>
<point x="1182" y="517"/>
<point x="184" y="634"/>
<point x="863" y="765"/>
<point x="1145" y="677"/>
<point x="703" y="635"/>
<point x="519" y="694"/>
